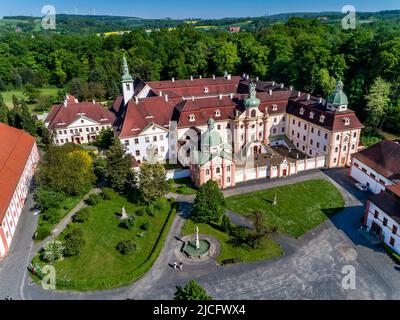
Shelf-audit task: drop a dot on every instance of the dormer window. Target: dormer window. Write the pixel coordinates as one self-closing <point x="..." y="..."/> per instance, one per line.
<point x="346" y="121"/>
<point x="206" y="90"/>
<point x="312" y="115"/>
<point x="301" y="111"/>
<point x="217" y="113"/>
<point x="274" y="107"/>
<point x="192" y="118"/>
<point x="322" y="119"/>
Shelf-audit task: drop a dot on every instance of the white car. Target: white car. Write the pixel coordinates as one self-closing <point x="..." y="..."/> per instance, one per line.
<point x="361" y="187"/>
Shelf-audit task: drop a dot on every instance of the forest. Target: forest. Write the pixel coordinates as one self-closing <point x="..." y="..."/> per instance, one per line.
<point x="303" y="52"/>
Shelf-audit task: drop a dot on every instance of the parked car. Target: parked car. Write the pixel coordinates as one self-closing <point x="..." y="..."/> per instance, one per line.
<point x="361" y="187"/>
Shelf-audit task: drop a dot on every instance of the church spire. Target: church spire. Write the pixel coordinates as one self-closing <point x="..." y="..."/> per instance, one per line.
<point x="127" y="82"/>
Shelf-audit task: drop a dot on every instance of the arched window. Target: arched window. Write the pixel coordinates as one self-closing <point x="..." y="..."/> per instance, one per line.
<point x="228" y="168"/>
<point x="218" y="170"/>
<point x="253" y="113"/>
<point x="217" y="113"/>
<point x="207" y="172"/>
<point x="228" y="180"/>
<point x="192" y="118"/>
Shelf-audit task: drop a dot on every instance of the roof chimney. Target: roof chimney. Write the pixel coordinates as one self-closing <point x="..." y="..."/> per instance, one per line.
<point x="173" y="79"/>
<point x="166" y="98"/>
<point x="291" y="88"/>
<point x="244" y="76"/>
<point x="191" y="78"/>
<point x="320" y="100"/>
<point x="282" y="85"/>
<point x="273" y="83"/>
<point x="228" y="77"/>
<point x="160" y="93"/>
<point x="199" y="77"/>
<point x="270" y="92"/>
<point x="94" y="101"/>
<point x="308" y="96"/>
<point x="136" y="100"/>
<point x="213" y="76"/>
<point x="299" y="93"/>
<point x="231" y="95"/>
<point x="192" y="98"/>
<point x="247" y="77"/>
<point x="220" y="96"/>
<point x="257" y="78"/>
<point x="65" y="102"/>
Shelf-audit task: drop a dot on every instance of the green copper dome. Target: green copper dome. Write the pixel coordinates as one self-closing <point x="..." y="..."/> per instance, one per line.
<point x="253" y="101"/>
<point x="211" y="137"/>
<point x="338" y="97"/>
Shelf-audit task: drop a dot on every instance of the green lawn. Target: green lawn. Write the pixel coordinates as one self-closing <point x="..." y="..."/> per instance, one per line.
<point x="229" y="249"/>
<point x="183" y="186"/>
<point x="7" y="95"/>
<point x="300" y="207"/>
<point x="100" y="265"/>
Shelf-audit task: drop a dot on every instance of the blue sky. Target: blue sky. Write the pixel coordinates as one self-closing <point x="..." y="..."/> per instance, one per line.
<point x="189" y="8"/>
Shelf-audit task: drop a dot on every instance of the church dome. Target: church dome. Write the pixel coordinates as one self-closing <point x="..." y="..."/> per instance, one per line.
<point x="211" y="137"/>
<point x="338" y="97"/>
<point x="253" y="101"/>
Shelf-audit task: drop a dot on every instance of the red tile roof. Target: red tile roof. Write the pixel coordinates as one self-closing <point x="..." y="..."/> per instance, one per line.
<point x="15" y="147"/>
<point x="383" y="157"/>
<point x="150" y="110"/>
<point x="205" y="104"/>
<point x="61" y="116"/>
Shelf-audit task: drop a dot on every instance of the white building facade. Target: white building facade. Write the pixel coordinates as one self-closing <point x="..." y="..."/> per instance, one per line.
<point x="18" y="171"/>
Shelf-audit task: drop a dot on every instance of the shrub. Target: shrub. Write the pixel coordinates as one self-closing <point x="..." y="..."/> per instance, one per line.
<point x="81" y="216"/>
<point x="47" y="199"/>
<point x="145" y="226"/>
<point x="42" y="232"/>
<point x="141" y="211"/>
<point x="52" y="251"/>
<point x="74" y="243"/>
<point x="93" y="199"/>
<point x="171" y="200"/>
<point x="108" y="194"/>
<point x="226" y="223"/>
<point x="128" y="223"/>
<point x="52" y="215"/>
<point x="126" y="247"/>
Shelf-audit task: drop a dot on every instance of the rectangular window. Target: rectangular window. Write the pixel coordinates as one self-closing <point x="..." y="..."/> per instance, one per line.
<point x="392" y="241"/>
<point x="326" y="136"/>
<point x="154" y="138"/>
<point x="294" y="121"/>
<point x="137" y="153"/>
<point x="161" y="137"/>
<point x="127" y="142"/>
<point x="324" y="148"/>
<point x="376" y="214"/>
<point x="136" y="140"/>
<point x="147" y="139"/>
<point x="312" y="129"/>
<point x="385" y="221"/>
<point x="162" y="149"/>
<point x="394" y="229"/>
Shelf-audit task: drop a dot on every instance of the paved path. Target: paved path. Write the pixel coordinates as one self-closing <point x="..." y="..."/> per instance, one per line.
<point x="65" y="221"/>
<point x="310" y="268"/>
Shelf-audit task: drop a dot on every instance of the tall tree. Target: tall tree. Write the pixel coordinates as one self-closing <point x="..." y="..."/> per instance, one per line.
<point x="378" y="103"/>
<point x="118" y="166"/>
<point x="153" y="183"/>
<point x="209" y="203"/>
<point x="3" y="111"/>
<point x="67" y="169"/>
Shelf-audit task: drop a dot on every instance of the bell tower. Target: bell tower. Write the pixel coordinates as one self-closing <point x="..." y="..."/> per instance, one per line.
<point x="127" y="82"/>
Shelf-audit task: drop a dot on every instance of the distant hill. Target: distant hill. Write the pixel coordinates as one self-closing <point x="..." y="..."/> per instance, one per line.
<point x="104" y="23"/>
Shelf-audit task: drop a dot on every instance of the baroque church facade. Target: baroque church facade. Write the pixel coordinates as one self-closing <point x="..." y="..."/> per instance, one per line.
<point x="233" y="128"/>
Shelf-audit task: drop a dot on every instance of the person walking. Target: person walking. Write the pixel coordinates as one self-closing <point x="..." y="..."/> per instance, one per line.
<point x="180" y="266"/>
<point x="175" y="265"/>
